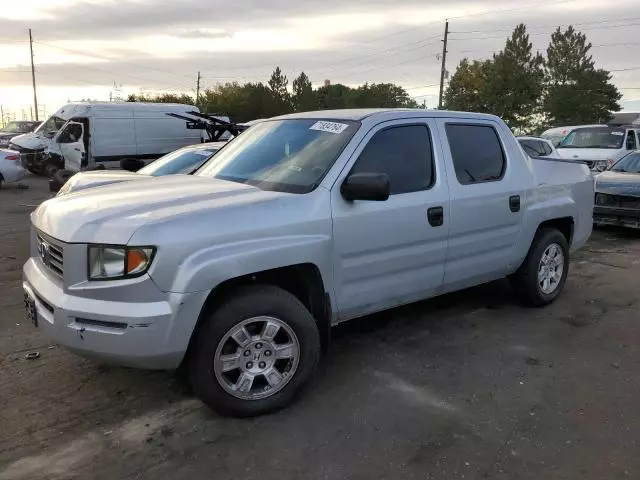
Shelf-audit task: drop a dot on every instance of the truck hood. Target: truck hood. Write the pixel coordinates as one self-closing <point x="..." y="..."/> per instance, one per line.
<point x="31" y="141"/>
<point x="111" y="214"/>
<point x="84" y="180"/>
<point x="617" y="183"/>
<point x="587" y="153"/>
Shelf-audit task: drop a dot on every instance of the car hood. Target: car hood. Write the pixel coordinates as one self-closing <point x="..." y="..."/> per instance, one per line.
<point x="31" y="141"/>
<point x="587" y="153"/>
<point x="84" y="180"/>
<point x="616" y="183"/>
<point x="111" y="214"/>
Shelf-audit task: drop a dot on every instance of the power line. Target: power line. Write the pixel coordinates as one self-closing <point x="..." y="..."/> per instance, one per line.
<point x="526" y="7"/>
<point x="553" y="26"/>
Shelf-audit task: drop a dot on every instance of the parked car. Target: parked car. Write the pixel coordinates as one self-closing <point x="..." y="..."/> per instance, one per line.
<point x="618" y="193"/>
<point x="537" y="147"/>
<point x="557" y="134"/>
<point x="601" y="145"/>
<point x="82" y="136"/>
<point x="185" y="160"/>
<point x="302" y="222"/>
<point x="13" y="129"/>
<point x="10" y="167"/>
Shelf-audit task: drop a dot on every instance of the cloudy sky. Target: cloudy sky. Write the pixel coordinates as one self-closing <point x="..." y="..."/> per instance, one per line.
<point x="83" y="47"/>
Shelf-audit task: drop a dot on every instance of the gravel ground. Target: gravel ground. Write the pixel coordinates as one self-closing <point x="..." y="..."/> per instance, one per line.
<point x="470" y="385"/>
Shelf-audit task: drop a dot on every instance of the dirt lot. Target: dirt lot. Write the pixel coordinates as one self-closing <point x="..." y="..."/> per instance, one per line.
<point x="469" y="386"/>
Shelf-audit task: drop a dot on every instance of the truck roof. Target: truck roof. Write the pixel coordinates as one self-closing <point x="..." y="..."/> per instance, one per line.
<point x="362" y="113"/>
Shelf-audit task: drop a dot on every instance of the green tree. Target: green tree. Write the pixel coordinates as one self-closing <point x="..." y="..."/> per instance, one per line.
<point x="467" y="87"/>
<point x="303" y="96"/>
<point x="380" y="95"/>
<point x="280" y="95"/>
<point x="333" y="96"/>
<point x="576" y="92"/>
<point x="516" y="81"/>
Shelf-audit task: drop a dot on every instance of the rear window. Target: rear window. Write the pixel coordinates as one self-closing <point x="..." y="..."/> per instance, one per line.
<point x="476" y="152"/>
<point x="594" y="137"/>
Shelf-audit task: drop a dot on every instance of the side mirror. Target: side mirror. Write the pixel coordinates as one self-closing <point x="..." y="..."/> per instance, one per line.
<point x="366" y="186"/>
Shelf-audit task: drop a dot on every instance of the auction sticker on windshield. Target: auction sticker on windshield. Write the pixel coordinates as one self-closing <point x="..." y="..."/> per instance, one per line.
<point x="331" y="127"/>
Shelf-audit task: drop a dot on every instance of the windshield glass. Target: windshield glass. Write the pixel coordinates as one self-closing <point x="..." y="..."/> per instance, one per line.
<point x="181" y="161"/>
<point x="628" y="164"/>
<point x="595" y="137"/>
<point x="16" y="127"/>
<point x="51" y="126"/>
<point x="282" y="155"/>
<point x="555" y="139"/>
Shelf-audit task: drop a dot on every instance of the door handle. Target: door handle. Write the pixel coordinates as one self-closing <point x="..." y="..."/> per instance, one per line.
<point x="514" y="203"/>
<point x="435" y="215"/>
<point x="77" y="149"/>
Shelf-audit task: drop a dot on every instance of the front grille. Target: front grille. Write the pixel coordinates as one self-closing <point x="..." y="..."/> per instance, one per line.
<point x="621" y="201"/>
<point x="51" y="254"/>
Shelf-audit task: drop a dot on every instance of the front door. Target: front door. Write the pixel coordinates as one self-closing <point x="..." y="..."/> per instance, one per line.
<point x="388" y="253"/>
<point x="71" y="141"/>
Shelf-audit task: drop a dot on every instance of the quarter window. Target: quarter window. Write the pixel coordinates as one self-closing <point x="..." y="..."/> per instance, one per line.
<point x="476" y="152"/>
<point x="404" y="154"/>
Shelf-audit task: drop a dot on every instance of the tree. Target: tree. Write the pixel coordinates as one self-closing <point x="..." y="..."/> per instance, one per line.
<point x="467" y="87"/>
<point x="516" y="81"/>
<point x="281" y="98"/>
<point x="576" y="92"/>
<point x="380" y="95"/>
<point x="333" y="96"/>
<point x="303" y="96"/>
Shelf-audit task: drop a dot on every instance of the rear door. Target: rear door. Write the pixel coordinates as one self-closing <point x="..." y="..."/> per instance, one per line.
<point x="391" y="252"/>
<point x="486" y="191"/>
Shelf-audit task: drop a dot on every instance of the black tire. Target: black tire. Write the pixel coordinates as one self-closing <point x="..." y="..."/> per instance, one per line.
<point x="131" y="164"/>
<point x="35" y="170"/>
<point x="59" y="179"/>
<point x="49" y="169"/>
<point x="97" y="167"/>
<point x="249" y="302"/>
<point x="525" y="280"/>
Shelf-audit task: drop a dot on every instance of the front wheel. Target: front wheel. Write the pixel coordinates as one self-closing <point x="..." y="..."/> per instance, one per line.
<point x="254" y="353"/>
<point x="542" y="276"/>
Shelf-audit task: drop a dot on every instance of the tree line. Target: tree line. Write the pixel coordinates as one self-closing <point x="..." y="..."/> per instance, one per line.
<point x="249" y="101"/>
<point x="531" y="92"/>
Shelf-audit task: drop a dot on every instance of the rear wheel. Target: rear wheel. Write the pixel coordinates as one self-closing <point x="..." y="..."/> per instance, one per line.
<point x="542" y="276"/>
<point x="49" y="169"/>
<point x="59" y="179"/>
<point x="255" y="353"/>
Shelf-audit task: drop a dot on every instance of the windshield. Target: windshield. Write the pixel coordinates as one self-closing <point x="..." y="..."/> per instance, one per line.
<point x="555" y="139"/>
<point x="51" y="126"/>
<point x="282" y="155"/>
<point x="180" y="161"/>
<point x="16" y="127"/>
<point x="596" y="137"/>
<point x="628" y="164"/>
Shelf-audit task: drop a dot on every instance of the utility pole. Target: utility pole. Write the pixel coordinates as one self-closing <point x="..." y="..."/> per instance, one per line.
<point x="444" y="62"/>
<point x="198" y="90"/>
<point x="2" y="115"/>
<point x="33" y="76"/>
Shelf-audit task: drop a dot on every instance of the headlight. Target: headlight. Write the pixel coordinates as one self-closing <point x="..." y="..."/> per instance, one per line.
<point x="114" y="262"/>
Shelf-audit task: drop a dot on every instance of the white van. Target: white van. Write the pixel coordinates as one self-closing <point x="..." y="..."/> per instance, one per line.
<point x="84" y="135"/>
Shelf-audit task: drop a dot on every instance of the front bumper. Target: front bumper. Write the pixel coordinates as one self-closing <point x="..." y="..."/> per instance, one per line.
<point x="151" y="334"/>
<point x="622" y="217"/>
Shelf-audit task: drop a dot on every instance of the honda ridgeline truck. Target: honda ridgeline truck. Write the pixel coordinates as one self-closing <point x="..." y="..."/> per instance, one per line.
<point x="238" y="272"/>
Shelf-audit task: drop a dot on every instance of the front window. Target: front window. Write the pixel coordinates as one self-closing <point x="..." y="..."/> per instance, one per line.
<point x="179" y="162"/>
<point x="16" y="127"/>
<point x="51" y="126"/>
<point x="628" y="164"/>
<point x="282" y="155"/>
<point x="594" y="137"/>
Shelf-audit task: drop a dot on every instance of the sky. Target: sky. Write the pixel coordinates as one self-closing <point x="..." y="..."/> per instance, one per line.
<point x="97" y="48"/>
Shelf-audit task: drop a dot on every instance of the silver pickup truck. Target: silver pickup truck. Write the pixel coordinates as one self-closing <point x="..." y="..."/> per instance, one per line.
<point x="238" y="272"/>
